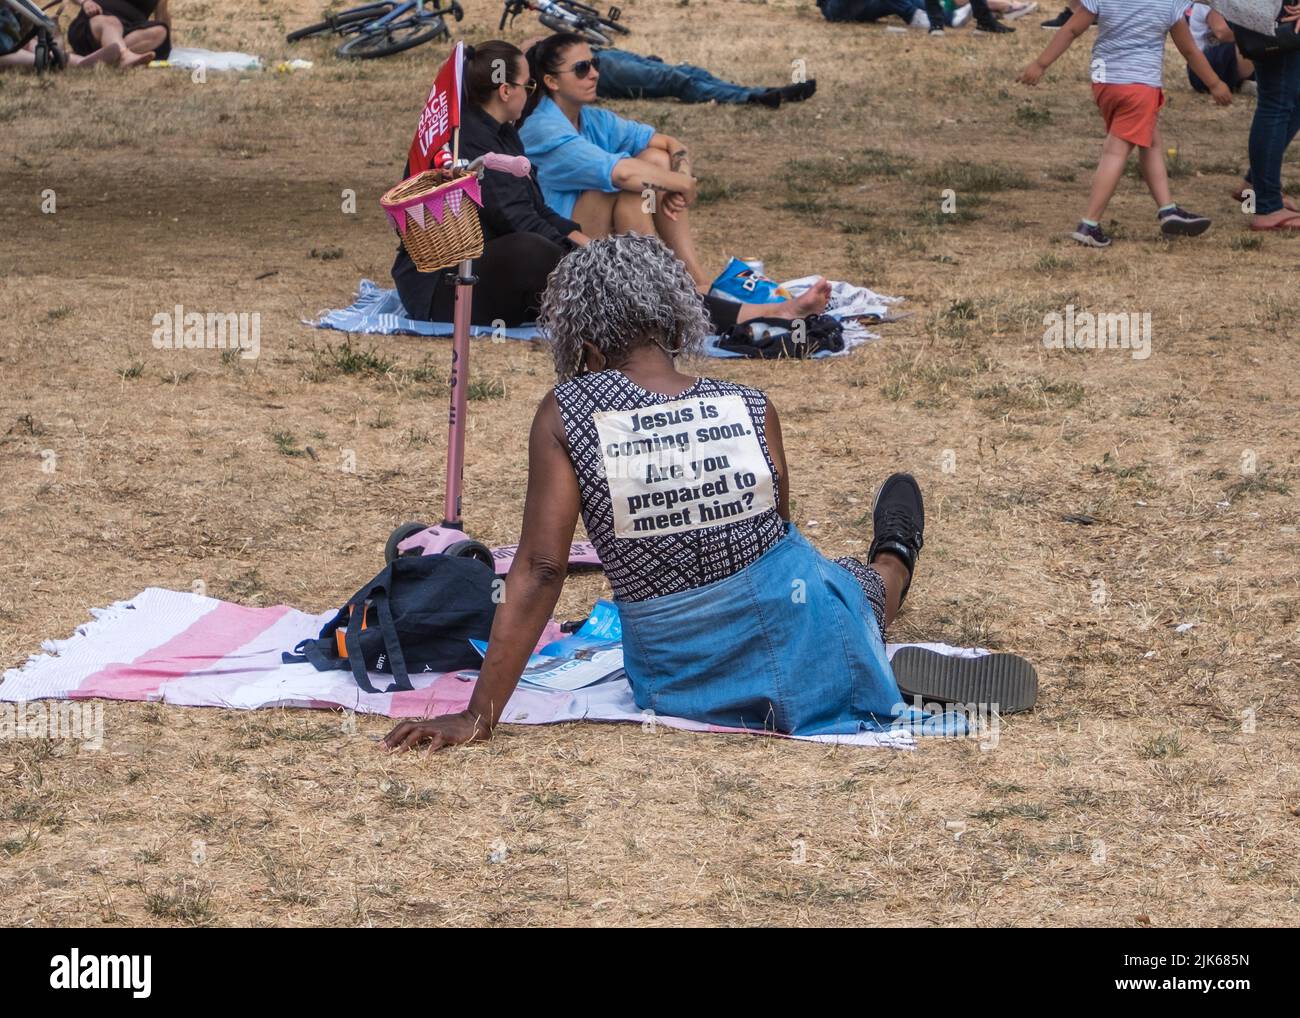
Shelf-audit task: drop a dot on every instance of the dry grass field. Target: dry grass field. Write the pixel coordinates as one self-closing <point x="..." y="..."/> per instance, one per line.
<point x="1155" y="784"/>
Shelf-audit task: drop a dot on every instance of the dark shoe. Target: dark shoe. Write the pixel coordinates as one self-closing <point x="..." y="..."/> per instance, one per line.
<point x="769" y="97"/>
<point x="898" y="519"/>
<point x="1178" y="222"/>
<point x="799" y="91"/>
<point x="992" y="26"/>
<point x="1091" y="236"/>
<point x="1058" y="21"/>
<point x="1002" y="682"/>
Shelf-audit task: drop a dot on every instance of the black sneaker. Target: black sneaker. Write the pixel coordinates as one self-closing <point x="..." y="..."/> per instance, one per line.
<point x="1091" y="236"/>
<point x="1178" y="222"/>
<point x="769" y="97"/>
<point x="992" y="26"/>
<point x="1058" y="21"/>
<point x="799" y="91"/>
<point x="898" y="519"/>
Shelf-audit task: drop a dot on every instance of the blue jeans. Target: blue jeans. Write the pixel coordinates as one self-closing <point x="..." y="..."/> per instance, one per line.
<point x="1277" y="120"/>
<point x="625" y="75"/>
<point x="868" y="10"/>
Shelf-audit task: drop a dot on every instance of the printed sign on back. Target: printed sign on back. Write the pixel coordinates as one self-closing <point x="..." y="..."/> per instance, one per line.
<point x="686" y="465"/>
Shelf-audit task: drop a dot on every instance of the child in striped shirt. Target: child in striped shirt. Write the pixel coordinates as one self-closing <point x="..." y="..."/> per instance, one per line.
<point x="1128" y="85"/>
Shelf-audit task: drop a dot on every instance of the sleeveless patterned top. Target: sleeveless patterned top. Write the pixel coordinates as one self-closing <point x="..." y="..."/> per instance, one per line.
<point x="676" y="491"/>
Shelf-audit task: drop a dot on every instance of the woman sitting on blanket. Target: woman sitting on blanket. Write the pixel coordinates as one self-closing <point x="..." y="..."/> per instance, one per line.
<point x="729" y="615"/>
<point x="524" y="238"/>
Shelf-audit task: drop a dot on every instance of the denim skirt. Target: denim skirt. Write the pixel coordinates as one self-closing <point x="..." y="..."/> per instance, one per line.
<point x="787" y="644"/>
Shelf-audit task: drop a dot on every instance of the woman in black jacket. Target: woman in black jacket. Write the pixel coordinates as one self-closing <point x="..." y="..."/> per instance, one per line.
<point x="523" y="238"/>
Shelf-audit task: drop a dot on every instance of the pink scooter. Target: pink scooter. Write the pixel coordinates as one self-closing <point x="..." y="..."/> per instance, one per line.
<point x="448" y="537"/>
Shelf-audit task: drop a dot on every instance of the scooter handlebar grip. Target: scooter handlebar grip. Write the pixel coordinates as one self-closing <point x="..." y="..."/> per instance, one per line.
<point x="517" y="166"/>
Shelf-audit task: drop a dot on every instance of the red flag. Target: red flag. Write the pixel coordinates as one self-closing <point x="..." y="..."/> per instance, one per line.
<point x="441" y="112"/>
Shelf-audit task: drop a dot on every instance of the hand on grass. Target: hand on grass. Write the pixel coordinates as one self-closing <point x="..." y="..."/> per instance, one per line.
<point x="1222" y="94"/>
<point x="440" y="732"/>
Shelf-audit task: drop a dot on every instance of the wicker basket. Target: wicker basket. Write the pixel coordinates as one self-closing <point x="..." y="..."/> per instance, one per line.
<point x="436" y="220"/>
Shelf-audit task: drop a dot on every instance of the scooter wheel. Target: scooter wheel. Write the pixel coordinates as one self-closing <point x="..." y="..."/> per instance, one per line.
<point x="472" y="549"/>
<point x="398" y="536"/>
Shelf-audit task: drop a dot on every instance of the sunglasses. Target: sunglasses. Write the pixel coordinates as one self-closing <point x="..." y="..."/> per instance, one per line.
<point x="583" y="67"/>
<point x="528" y="86"/>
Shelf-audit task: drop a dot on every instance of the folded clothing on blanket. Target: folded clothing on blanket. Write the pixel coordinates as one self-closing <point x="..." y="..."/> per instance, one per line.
<point x="189" y="650"/>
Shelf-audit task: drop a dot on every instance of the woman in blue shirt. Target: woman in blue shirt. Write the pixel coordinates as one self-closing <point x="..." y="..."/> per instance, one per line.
<point x="607" y="173"/>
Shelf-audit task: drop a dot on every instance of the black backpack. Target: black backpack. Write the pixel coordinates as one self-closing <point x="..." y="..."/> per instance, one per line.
<point x="419" y="614"/>
<point x="770" y="338"/>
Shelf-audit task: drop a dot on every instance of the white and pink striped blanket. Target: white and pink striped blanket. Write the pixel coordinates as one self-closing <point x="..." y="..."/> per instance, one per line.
<point x="189" y="650"/>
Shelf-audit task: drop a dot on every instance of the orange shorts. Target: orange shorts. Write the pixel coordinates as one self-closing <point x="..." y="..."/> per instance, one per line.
<point x="1130" y="111"/>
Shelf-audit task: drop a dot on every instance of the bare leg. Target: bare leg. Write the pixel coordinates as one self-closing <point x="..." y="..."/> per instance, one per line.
<point x="594" y="213"/>
<point x="676" y="233"/>
<point x="18" y="58"/>
<point x="104" y="55"/>
<point x="812" y="301"/>
<point x="1151" y="161"/>
<point x="894" y="573"/>
<point x="146" y="40"/>
<point x="1114" y="156"/>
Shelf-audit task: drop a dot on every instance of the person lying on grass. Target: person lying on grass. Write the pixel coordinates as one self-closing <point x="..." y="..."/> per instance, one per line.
<point x="729" y="615"/>
<point x="1128" y="86"/>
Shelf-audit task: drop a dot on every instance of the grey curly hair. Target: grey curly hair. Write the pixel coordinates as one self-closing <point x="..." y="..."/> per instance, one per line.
<point x="617" y="293"/>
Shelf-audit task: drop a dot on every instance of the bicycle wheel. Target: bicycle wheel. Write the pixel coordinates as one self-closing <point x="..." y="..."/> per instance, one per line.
<point x="592" y="17"/>
<point x="394" y="38"/>
<point x="584" y="27"/>
<point x="336" y="21"/>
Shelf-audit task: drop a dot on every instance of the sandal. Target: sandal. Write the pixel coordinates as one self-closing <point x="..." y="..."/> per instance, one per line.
<point x="1289" y="223"/>
<point x="1004" y="682"/>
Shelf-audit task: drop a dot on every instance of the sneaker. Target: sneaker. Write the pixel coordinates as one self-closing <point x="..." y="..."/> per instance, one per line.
<point x="769" y="97"/>
<point x="799" y="91"/>
<point x="1058" y="21"/>
<point x="992" y="26"/>
<point x="1091" y="236"/>
<point x="936" y="31"/>
<point x="919" y="20"/>
<point x="1178" y="222"/>
<point x="1019" y="10"/>
<point x="961" y="15"/>
<point x="898" y="519"/>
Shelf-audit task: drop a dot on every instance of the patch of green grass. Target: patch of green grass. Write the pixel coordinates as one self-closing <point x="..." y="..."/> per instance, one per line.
<point x="186" y="902"/>
<point x="711" y="191"/>
<point x="486" y="388"/>
<point x="1260" y="483"/>
<point x="1052" y="262"/>
<point x="353" y="360"/>
<point x="132" y="371"/>
<point x="975" y="178"/>
<point x="1036" y="393"/>
<point x="58" y="314"/>
<point x="1246" y="242"/>
<point x="1031" y="116"/>
<point x="1162" y="747"/>
<point x="286" y="444"/>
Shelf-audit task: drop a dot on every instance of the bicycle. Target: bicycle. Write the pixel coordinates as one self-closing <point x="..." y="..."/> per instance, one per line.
<point x="382" y="29"/>
<point x="569" y="16"/>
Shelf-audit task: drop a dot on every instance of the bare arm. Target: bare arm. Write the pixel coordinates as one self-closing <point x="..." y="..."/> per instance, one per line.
<point x="776" y="446"/>
<point x="1182" y="36"/>
<point x="1079" y="23"/>
<point x="1219" y="27"/>
<point x="634" y="174"/>
<point x="532" y="588"/>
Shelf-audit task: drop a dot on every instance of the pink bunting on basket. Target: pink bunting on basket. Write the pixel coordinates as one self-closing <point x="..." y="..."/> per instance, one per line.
<point x="453" y="199"/>
<point x="399" y="221"/>
<point x="416" y="212"/>
<point x="434" y="205"/>
<point x="472" y="189"/>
